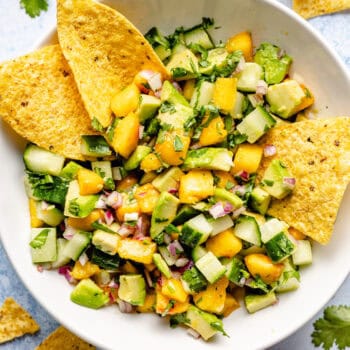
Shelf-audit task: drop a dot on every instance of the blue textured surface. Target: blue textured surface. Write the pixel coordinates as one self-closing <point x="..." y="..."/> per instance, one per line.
<point x="18" y="34"/>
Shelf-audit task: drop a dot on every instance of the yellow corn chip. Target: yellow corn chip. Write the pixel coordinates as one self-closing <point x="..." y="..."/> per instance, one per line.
<point x="317" y="154"/>
<point x="62" y="339"/>
<point x="313" y="8"/>
<point x="104" y="50"/>
<point x="15" y="321"/>
<point x="40" y="101"/>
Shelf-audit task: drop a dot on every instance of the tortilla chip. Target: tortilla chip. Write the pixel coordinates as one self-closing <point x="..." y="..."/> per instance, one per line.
<point x="317" y="153"/>
<point x="40" y="101"/>
<point x="62" y="339"/>
<point x="313" y="8"/>
<point x="15" y="321"/>
<point x="104" y="50"/>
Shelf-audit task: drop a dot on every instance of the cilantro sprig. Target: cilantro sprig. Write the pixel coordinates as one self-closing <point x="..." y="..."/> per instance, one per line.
<point x="33" y="8"/>
<point x="333" y="328"/>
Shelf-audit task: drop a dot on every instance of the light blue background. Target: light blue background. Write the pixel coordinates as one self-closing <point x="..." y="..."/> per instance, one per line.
<point x="18" y="34"/>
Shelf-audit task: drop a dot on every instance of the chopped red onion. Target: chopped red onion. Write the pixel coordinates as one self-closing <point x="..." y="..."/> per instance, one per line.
<point x="125" y="307"/>
<point x="240" y="66"/>
<point x="289" y="182"/>
<point x="155" y="82"/>
<point x="242" y="281"/>
<point x="176" y="274"/>
<point x="281" y="53"/>
<point x="148" y="278"/>
<point x="238" y="212"/>
<point x="182" y="269"/>
<point x="195" y="146"/>
<point x="193" y="333"/>
<point x="244" y="175"/>
<point x="113" y="284"/>
<point x="44" y="205"/>
<point x="172" y="190"/>
<point x="181" y="262"/>
<point x="116" y="174"/>
<point x="269" y="150"/>
<point x="131" y="216"/>
<point x="101" y="203"/>
<point x="177" y="86"/>
<point x="83" y="259"/>
<point x="141" y="130"/>
<point x="114" y="200"/>
<point x="228" y="207"/>
<point x="217" y="210"/>
<point x="240" y="189"/>
<point x="66" y="272"/>
<point x="69" y="232"/>
<point x="109" y="218"/>
<point x="40" y="268"/>
<point x="167" y="238"/>
<point x="142" y="226"/>
<point x="147" y="74"/>
<point x="126" y="230"/>
<point x="175" y="248"/>
<point x="261" y="88"/>
<point x="158" y="93"/>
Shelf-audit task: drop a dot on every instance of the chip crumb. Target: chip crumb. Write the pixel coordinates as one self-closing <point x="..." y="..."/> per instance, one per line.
<point x="314" y="8"/>
<point x="63" y="339"/>
<point x="15" y="321"/>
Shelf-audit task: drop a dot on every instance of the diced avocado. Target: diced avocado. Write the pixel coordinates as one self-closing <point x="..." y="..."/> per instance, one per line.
<point x="51" y="215"/>
<point x="206" y="324"/>
<point x="168" y="180"/>
<point x="303" y="253"/>
<point x="260" y="200"/>
<point x="285" y="98"/>
<point x="70" y="170"/>
<point x="148" y="177"/>
<point x="216" y="58"/>
<point x="224" y="195"/>
<point x="105" y="241"/>
<point x="271" y="228"/>
<point x="203" y="94"/>
<point x="279" y="247"/>
<point x="237" y="110"/>
<point x="183" y="65"/>
<point x="178" y="47"/>
<point x="289" y="279"/>
<point x="210" y="266"/>
<point x="77" y="205"/>
<point x="43" y="245"/>
<point x="77" y="245"/>
<point x="62" y="258"/>
<point x="163" y="213"/>
<point x="195" y="231"/>
<point x="249" y="77"/>
<point x="132" y="289"/>
<point x="194" y="280"/>
<point x="248" y="229"/>
<point x="209" y="158"/>
<point x="135" y="159"/>
<point x="174" y="116"/>
<point x="185" y="213"/>
<point x="104" y="169"/>
<point x="94" y="146"/>
<point x="236" y="271"/>
<point x="273" y="180"/>
<point x="161" y="265"/>
<point x="198" y="36"/>
<point x="162" y="52"/>
<point x="171" y="95"/>
<point x="148" y="107"/>
<point x="220" y="224"/>
<point x="88" y="293"/>
<point x="197" y="252"/>
<point x="255" y="303"/>
<point x="256" y="124"/>
<point x="276" y="67"/>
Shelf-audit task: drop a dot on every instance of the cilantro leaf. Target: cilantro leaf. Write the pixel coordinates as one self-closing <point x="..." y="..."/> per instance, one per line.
<point x="33" y="8"/>
<point x="40" y="239"/>
<point x="178" y="145"/>
<point x="178" y="319"/>
<point x="334" y="327"/>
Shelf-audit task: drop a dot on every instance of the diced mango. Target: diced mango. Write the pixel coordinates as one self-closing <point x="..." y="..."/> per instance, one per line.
<point x="212" y="299"/>
<point x="195" y="186"/>
<point x="231" y="304"/>
<point x="247" y="158"/>
<point x="149" y="304"/>
<point x="129" y="268"/>
<point x="89" y="182"/>
<point x="173" y="289"/>
<point x="147" y="197"/>
<point x="128" y="206"/>
<point x="150" y="163"/>
<point x="165" y="305"/>
<point x="307" y="101"/>
<point x="126" y="135"/>
<point x="85" y="224"/>
<point x="225" y="91"/>
<point x="213" y="133"/>
<point x="172" y="146"/>
<point x="296" y="233"/>
<point x="243" y="42"/>
<point x="225" y="244"/>
<point x="188" y="89"/>
<point x="34" y="220"/>
<point x="179" y="307"/>
<point x="125" y="101"/>
<point x="224" y="179"/>
<point x="127" y="183"/>
<point x="137" y="250"/>
<point x="261" y="265"/>
<point x="80" y="271"/>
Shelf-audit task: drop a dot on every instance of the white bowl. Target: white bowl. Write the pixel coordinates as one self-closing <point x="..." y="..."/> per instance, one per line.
<point x="323" y="73"/>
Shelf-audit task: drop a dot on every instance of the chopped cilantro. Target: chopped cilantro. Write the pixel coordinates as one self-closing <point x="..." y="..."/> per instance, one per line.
<point x="96" y="125"/>
<point x="178" y="145"/>
<point x="33" y="8"/>
<point x="178" y="319"/>
<point x="98" y="226"/>
<point x="178" y="72"/>
<point x="40" y="239"/>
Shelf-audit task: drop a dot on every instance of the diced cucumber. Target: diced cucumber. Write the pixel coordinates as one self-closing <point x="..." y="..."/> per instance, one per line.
<point x="196" y="231"/>
<point x="198" y="252"/>
<point x="193" y="280"/>
<point x="224" y="195"/>
<point x="70" y="170"/>
<point x="132" y="289"/>
<point x="169" y="259"/>
<point x="199" y="36"/>
<point x="248" y="229"/>
<point x="303" y="253"/>
<point x="77" y="245"/>
<point x="40" y="160"/>
<point x="135" y="159"/>
<point x="237" y="110"/>
<point x="260" y="200"/>
<point x="105" y="241"/>
<point x="161" y="265"/>
<point x="104" y="169"/>
<point x="43" y="245"/>
<point x="210" y="266"/>
<point x="185" y="213"/>
<point x="62" y="259"/>
<point x="203" y="94"/>
<point x="236" y="271"/>
<point x="249" y="77"/>
<point x="256" y="124"/>
<point x="220" y="224"/>
<point x="254" y="101"/>
<point x="271" y="228"/>
<point x="255" y="303"/>
<point x="94" y="146"/>
<point x="289" y="279"/>
<point x="52" y="216"/>
<point x="178" y="47"/>
<point x="279" y="247"/>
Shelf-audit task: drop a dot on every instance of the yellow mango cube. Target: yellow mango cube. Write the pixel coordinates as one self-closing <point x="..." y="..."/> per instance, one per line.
<point x="80" y="271"/>
<point x="296" y="233"/>
<point x="128" y="206"/>
<point x="165" y="305"/>
<point x="247" y="158"/>
<point x="150" y="163"/>
<point x="35" y="222"/>
<point x="224" y="244"/>
<point x="225" y="91"/>
<point x="126" y="135"/>
<point x="149" y="304"/>
<point x="129" y="268"/>
<point x="173" y="289"/>
<point x="85" y="224"/>
<point x="140" y="251"/>
<point x="213" y="133"/>
<point x="125" y="101"/>
<point x="89" y="182"/>
<point x="127" y="183"/>
<point x="224" y="179"/>
<point x="212" y="299"/>
<point x="189" y="88"/>
<point x="195" y="186"/>
<point x="243" y="42"/>
<point x="147" y="197"/>
<point x="230" y="305"/>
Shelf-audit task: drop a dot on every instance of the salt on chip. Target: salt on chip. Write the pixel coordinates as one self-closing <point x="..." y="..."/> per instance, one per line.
<point x="62" y="339"/>
<point x="313" y="8"/>
<point x="40" y="101"/>
<point x="317" y="154"/>
<point x="104" y="50"/>
<point x="15" y="321"/>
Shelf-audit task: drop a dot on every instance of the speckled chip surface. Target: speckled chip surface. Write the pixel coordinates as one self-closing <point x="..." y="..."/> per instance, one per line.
<point x="313" y="8"/>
